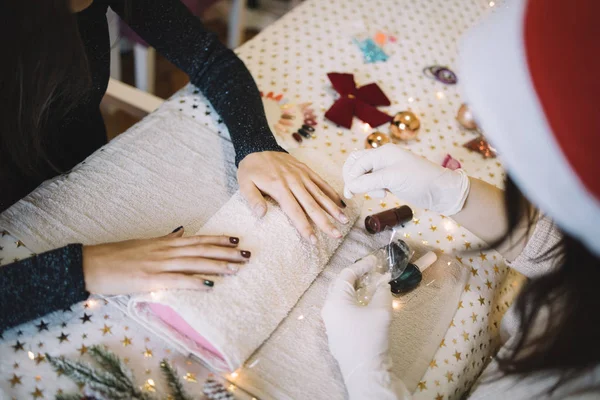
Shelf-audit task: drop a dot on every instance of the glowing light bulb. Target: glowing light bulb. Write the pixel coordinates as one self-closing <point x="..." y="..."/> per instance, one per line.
<point x="234" y="375"/>
<point x="492" y="4"/>
<point x="396" y="305"/>
<point x="301" y="317"/>
<point x="440" y="95"/>
<point x="410" y="99"/>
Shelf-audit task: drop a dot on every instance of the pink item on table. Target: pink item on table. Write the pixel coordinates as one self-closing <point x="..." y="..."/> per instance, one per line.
<point x="174" y="320"/>
<point x="450" y="162"/>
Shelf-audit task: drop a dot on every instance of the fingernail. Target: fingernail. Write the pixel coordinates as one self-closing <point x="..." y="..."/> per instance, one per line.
<point x="209" y="283"/>
<point x="245" y="254"/>
<point x="233" y="268"/>
<point x="336" y="233"/>
<point x="343" y="218"/>
<point x="313" y="239"/>
<point x="343" y="204"/>
<point x="177" y="229"/>
<point x="234" y="240"/>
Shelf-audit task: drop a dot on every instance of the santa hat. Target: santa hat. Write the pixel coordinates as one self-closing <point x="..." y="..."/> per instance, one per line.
<point x="531" y="75"/>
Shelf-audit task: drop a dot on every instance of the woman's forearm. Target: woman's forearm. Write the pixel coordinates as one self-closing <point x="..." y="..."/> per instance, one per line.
<point x="484" y="214"/>
<point x="41" y="284"/>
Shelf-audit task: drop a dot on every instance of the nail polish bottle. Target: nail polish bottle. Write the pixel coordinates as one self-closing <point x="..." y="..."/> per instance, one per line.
<point x="412" y="274"/>
<point x="388" y="219"/>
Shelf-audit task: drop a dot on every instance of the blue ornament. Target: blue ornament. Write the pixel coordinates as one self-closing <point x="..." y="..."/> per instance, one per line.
<point x="371" y="51"/>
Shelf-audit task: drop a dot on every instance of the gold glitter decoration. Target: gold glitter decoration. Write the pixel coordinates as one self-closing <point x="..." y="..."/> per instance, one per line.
<point x="106" y="330"/>
<point x="126" y="341"/>
<point x="83" y="349"/>
<point x="190" y="377"/>
<point x="147" y="353"/>
<point x="15" y="380"/>
<point x="37" y="394"/>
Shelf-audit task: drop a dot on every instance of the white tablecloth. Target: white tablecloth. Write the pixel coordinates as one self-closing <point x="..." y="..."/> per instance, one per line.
<point x="291" y="58"/>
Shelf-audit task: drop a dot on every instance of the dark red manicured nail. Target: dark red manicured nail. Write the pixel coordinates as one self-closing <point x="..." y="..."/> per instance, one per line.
<point x="234" y="240"/>
<point x="209" y="283"/>
<point x="343" y="204"/>
<point x="245" y="254"/>
<point x="177" y="229"/>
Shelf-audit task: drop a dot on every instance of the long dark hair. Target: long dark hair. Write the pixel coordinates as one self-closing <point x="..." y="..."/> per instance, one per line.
<point x="45" y="71"/>
<point x="569" y="295"/>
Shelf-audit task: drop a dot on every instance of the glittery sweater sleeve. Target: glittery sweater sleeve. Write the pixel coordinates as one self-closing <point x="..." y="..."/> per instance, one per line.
<point x="41" y="284"/>
<point x="178" y="35"/>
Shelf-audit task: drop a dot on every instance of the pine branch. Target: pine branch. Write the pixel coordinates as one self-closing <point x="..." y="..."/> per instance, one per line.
<point x="97" y="380"/>
<point x="177" y="390"/>
<point x="111" y="363"/>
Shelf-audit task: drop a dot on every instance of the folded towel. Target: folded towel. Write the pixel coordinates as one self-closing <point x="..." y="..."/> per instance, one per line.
<point x="242" y="311"/>
<point x="295" y="363"/>
<point x="168" y="170"/>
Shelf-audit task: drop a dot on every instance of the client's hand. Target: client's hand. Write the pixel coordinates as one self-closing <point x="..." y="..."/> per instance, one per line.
<point x="300" y="192"/>
<point x="408" y="176"/>
<point x="358" y="335"/>
<point x="168" y="262"/>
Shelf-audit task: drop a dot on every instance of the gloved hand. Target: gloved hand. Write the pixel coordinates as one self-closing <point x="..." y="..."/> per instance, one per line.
<point x="409" y="176"/>
<point x="358" y="335"/>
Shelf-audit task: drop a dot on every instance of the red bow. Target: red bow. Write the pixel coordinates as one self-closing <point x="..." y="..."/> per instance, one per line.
<point x="356" y="101"/>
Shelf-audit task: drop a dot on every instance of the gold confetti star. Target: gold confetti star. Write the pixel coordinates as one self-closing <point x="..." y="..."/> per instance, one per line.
<point x="16" y="365"/>
<point x="106" y="330"/>
<point x="483" y="256"/>
<point x="147" y="353"/>
<point x="457" y="355"/>
<point x="63" y="337"/>
<point x="449" y="376"/>
<point x="416" y="221"/>
<point x="433" y="364"/>
<point x="126" y="341"/>
<point x="83" y="349"/>
<point x="443" y="343"/>
<point x="450" y="238"/>
<point x="433" y="228"/>
<point x="38" y="393"/>
<point x="468" y="287"/>
<point x="439" y="397"/>
<point x="474" y="271"/>
<point x="149" y="386"/>
<point x="60" y="371"/>
<point x="460" y="305"/>
<point x="465" y="336"/>
<point x="488" y="283"/>
<point x="422" y="385"/>
<point x="459" y="259"/>
<point x="496" y="269"/>
<point x="40" y="358"/>
<point x="481" y="300"/>
<point x="474" y="317"/>
<point x="367" y="197"/>
<point x="19" y="244"/>
<point x="467" y="245"/>
<point x="15" y="380"/>
<point x="190" y="377"/>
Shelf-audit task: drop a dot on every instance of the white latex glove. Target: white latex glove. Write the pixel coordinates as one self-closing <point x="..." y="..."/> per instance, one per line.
<point x="409" y="176"/>
<point x="358" y="336"/>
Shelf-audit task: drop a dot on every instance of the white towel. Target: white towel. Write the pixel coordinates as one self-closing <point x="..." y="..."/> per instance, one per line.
<point x="168" y="170"/>
<point x="242" y="311"/>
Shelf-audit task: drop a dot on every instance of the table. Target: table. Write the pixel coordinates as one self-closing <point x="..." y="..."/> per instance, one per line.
<point x="291" y="58"/>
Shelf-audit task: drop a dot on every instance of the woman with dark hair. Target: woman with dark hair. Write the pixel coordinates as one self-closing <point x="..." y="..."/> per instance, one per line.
<point x="541" y="112"/>
<point x="53" y="75"/>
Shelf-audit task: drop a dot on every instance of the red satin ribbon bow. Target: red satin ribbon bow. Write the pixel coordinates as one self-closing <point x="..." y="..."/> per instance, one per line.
<point x="356" y="101"/>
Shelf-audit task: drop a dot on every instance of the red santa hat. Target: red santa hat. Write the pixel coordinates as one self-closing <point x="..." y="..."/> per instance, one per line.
<point x="531" y="74"/>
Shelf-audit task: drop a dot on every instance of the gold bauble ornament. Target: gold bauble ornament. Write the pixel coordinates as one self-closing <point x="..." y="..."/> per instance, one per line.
<point x="376" y="139"/>
<point x="405" y="126"/>
<point x="465" y="118"/>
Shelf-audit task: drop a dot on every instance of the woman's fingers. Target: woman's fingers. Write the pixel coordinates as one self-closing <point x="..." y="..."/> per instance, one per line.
<point x="225" y="241"/>
<point x="314" y="210"/>
<point x="325" y="187"/>
<point x="210" y="251"/>
<point x="199" y="265"/>
<point x="325" y="202"/>
<point x="295" y="213"/>
<point x="173" y="280"/>
<point x="254" y="197"/>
